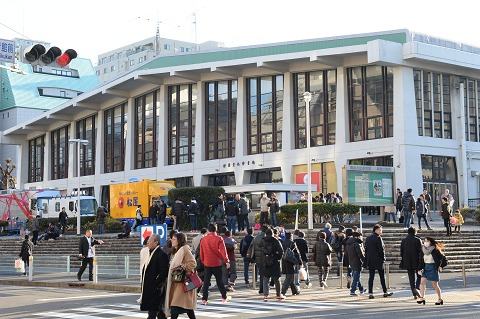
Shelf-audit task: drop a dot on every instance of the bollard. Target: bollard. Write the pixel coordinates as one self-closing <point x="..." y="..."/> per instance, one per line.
<point x="95" y="270"/>
<point x="340" y="266"/>
<point x="464" y="275"/>
<point x="127" y="266"/>
<point x="68" y="265"/>
<point x="388" y="275"/>
<point x="30" y="268"/>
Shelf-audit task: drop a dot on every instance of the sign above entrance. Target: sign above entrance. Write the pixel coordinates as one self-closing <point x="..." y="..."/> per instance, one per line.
<point x="369" y="185"/>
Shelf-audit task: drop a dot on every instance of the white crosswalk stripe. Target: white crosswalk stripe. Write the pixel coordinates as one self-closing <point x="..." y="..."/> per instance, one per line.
<point x="214" y="309"/>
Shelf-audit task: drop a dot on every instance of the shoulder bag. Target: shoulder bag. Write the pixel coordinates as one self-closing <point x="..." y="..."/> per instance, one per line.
<point x="178" y="274"/>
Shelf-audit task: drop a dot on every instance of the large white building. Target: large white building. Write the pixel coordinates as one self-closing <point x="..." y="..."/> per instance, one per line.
<point x="237" y="117"/>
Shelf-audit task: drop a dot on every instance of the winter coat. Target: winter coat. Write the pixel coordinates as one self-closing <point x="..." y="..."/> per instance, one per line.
<point x="257" y="250"/>
<point x="302" y="248"/>
<point x="244" y="244"/>
<point x="411" y="252"/>
<point x="344" y="247"/>
<point x="274" y="205"/>
<point x="321" y="253"/>
<point x="193" y="208"/>
<point x="154" y="280"/>
<point x="178" y="208"/>
<point x="446" y="211"/>
<point x="264" y="201"/>
<point x="420" y="207"/>
<point x="36" y="224"/>
<point x="374" y="252"/>
<point x="459" y="218"/>
<point x="26" y="250"/>
<point x="153" y="211"/>
<point x="243" y="208"/>
<point x="101" y="216"/>
<point x="327" y="232"/>
<point x="213" y="251"/>
<point x="175" y="296"/>
<point x="288" y="267"/>
<point x="231" y="208"/>
<point x="355" y="252"/>
<point x="408" y="202"/>
<point x="277" y="250"/>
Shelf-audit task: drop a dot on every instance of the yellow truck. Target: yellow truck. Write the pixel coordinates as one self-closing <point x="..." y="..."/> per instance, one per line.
<point x="124" y="198"/>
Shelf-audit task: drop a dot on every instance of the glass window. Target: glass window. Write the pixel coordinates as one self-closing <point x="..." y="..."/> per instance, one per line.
<point x="59" y="153"/>
<point x="146" y="136"/>
<point x="112" y="68"/>
<point x="36" y="158"/>
<point x="370" y="98"/>
<point x="322" y="86"/>
<point x="115" y="131"/>
<point x="222" y="180"/>
<point x="132" y="62"/>
<point x="264" y="114"/>
<point x="86" y="129"/>
<point x="272" y="175"/>
<point x="221" y="118"/>
<point x="182" y="105"/>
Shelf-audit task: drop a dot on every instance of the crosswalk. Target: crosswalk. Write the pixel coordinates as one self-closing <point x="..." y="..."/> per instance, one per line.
<point x="214" y="309"/>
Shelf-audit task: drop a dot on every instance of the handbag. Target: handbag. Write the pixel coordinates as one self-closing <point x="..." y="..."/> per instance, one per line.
<point x="178" y="274"/>
<point x="191" y="282"/>
<point x="289" y="256"/>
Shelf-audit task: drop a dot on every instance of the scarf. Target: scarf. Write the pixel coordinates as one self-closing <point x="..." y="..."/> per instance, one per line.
<point x="427" y="251"/>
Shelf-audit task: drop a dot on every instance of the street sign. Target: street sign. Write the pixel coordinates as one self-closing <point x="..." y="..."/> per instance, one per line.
<point x="7" y="51"/>
<point x="159" y="229"/>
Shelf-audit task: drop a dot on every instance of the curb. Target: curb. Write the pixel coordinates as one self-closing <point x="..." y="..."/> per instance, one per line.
<point x="77" y="285"/>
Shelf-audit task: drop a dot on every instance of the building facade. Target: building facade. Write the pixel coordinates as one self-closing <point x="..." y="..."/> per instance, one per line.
<point x="238" y="117"/>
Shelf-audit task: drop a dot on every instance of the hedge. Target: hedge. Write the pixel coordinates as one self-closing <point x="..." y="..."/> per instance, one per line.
<point x="327" y="210"/>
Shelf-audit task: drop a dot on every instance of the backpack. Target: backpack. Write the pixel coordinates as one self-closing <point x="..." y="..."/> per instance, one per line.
<point x="336" y="242"/>
<point x="243" y="247"/>
<point x="251" y="251"/>
<point x="268" y="253"/>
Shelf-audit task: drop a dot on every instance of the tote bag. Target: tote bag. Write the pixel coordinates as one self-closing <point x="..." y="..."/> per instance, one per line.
<point x="191" y="282"/>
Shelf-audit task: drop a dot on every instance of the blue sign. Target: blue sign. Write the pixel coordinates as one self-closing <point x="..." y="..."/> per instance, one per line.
<point x="7" y="51"/>
<point x="159" y="229"/>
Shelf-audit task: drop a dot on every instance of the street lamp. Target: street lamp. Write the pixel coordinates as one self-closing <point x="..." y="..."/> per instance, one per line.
<point x="79" y="143"/>
<point x="307" y="96"/>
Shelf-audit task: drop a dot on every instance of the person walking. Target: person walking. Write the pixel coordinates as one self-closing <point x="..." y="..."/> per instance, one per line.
<point x="408" y="206"/>
<point x="212" y="253"/>
<point x="25" y="252"/>
<point x="257" y="256"/>
<point x="193" y="211"/>
<point x="35" y="229"/>
<point x="272" y="253"/>
<point x="154" y="275"/>
<point x="321" y="256"/>
<point x="62" y="219"/>
<point x="446" y="215"/>
<point x="177" y="301"/>
<point x="288" y="268"/>
<point x="428" y="200"/>
<point x="421" y="208"/>
<point x="229" y="275"/>
<point x="153" y="213"/>
<point x="431" y="265"/>
<point x="346" y="263"/>
<point x="138" y="217"/>
<point x="264" y="201"/>
<point x="398" y="205"/>
<point x="375" y="259"/>
<point x="411" y="253"/>
<point x="302" y="247"/>
<point x="336" y="244"/>
<point x="86" y="252"/>
<point x="101" y="215"/>
<point x="356" y="257"/>
<point x="244" y="244"/>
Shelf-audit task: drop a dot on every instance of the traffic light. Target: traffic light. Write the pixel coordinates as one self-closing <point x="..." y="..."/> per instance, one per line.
<point x="37" y="54"/>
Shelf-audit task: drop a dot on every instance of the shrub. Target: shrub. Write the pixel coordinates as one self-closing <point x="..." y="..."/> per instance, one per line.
<point x="467" y="212"/>
<point x="204" y="195"/>
<point x="326" y="210"/>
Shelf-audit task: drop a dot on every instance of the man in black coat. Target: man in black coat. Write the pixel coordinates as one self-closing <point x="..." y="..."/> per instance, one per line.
<point x="154" y="279"/>
<point x="86" y="252"/>
<point x="411" y="253"/>
<point x="356" y="257"/>
<point x="374" y="260"/>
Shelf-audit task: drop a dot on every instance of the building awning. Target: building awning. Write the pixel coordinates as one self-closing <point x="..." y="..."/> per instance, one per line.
<point x="268" y="187"/>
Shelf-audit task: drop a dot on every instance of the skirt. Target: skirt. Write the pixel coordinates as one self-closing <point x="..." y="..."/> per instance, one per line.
<point x="430" y="273"/>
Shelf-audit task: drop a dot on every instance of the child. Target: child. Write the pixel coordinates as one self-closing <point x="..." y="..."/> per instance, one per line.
<point x="459" y="222"/>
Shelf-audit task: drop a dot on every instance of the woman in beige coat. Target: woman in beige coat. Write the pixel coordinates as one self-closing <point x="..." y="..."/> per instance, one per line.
<point x="177" y="301"/>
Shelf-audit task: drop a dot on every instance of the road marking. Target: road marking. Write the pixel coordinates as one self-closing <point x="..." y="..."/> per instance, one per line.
<point x="88" y="296"/>
<point x="68" y="315"/>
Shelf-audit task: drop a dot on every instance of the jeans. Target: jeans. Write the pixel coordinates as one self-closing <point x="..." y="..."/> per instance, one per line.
<point x="266" y="282"/>
<point x="289" y="278"/>
<point x="414" y="283"/>
<point x="448" y="226"/>
<point x="356" y="282"/>
<point x="273" y="219"/>
<point x="391" y="216"/>
<point x="340" y="261"/>
<point x="64" y="226"/>
<point x="193" y="222"/>
<point x="246" y="266"/>
<point x="232" y="224"/>
<point x="229" y="275"/>
<point x="217" y="272"/>
<point x="153" y="220"/>
<point x="35" y="237"/>
<point x="424" y="217"/>
<point x="371" y="276"/>
<point x="407" y="218"/>
<point x="101" y="228"/>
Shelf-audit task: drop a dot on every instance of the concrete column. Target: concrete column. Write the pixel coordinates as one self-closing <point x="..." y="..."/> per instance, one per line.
<point x="342" y="126"/>
<point x="162" y="143"/>
<point x="129" y="145"/>
<point x="241" y="130"/>
<point x="199" y="148"/>
<point x="47" y="158"/>
<point x="288" y="116"/>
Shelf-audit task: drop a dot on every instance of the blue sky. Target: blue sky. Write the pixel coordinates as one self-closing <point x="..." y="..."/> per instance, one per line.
<point x="94" y="27"/>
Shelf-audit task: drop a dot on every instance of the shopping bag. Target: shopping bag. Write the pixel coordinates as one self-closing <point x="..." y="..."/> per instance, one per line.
<point x="19" y="265"/>
<point x="453" y="220"/>
<point x="302" y="273"/>
<point x="191" y="282"/>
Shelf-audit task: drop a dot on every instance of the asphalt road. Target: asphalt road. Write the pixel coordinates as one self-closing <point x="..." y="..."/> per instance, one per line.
<point x="39" y="302"/>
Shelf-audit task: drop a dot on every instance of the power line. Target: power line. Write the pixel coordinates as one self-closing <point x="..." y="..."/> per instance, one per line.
<point x="24" y="36"/>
